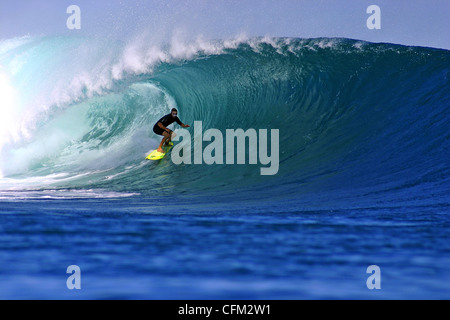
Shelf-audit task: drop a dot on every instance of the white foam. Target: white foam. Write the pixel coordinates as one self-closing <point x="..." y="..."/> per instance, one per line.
<point x="64" y="194"/>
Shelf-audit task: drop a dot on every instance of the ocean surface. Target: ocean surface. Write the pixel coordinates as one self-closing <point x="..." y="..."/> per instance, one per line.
<point x="363" y="179"/>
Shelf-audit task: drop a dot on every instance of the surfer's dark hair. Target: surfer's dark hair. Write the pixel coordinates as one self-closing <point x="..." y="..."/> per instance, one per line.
<point x="173" y="109"/>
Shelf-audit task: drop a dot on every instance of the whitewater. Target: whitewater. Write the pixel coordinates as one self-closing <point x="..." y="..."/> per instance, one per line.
<point x="363" y="172"/>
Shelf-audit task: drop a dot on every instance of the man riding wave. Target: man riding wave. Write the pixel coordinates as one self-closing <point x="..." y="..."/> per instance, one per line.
<point x="160" y="128"/>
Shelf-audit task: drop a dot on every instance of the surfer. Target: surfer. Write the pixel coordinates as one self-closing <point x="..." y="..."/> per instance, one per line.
<point x="160" y="128"/>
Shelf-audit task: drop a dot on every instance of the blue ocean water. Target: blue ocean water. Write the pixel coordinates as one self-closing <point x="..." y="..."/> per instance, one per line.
<point x="363" y="173"/>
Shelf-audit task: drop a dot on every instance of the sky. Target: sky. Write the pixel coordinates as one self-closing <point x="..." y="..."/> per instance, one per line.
<point x="408" y="22"/>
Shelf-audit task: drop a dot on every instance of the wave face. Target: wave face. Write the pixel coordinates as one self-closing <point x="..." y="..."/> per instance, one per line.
<point x="357" y="120"/>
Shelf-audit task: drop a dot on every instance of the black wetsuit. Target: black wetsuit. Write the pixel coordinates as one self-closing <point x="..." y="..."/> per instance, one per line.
<point x="167" y="120"/>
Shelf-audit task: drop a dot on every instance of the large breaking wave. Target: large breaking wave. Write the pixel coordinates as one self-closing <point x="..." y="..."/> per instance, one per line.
<point x="356" y="119"/>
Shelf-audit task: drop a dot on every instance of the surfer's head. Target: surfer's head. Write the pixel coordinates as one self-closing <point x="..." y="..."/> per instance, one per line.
<point x="174" y="112"/>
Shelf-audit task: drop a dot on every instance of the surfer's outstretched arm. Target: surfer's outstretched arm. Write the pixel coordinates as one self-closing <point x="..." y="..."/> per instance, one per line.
<point x="181" y="123"/>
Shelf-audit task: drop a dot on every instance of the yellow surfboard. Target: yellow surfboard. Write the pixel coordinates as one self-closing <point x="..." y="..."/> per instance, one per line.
<point x="155" y="155"/>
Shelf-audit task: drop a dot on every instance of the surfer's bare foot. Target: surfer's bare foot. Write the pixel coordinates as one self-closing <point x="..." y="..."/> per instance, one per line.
<point x="160" y="150"/>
